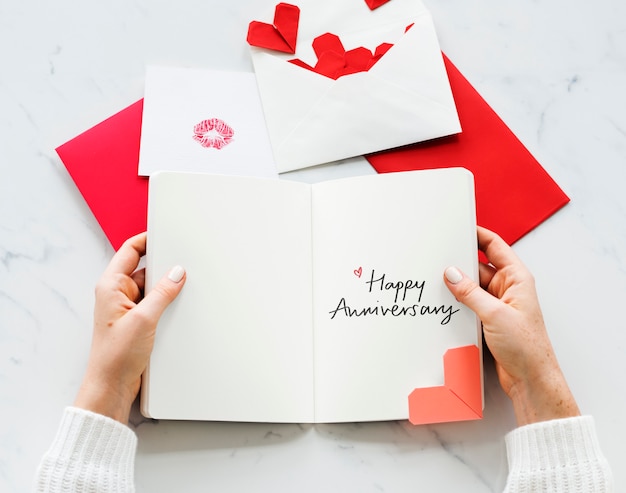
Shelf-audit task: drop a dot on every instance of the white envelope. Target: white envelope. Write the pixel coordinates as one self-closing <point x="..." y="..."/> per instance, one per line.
<point x="404" y="98"/>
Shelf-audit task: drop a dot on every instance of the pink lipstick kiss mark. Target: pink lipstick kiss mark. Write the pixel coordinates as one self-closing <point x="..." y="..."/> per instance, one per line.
<point x="213" y="133"/>
<point x="358" y="272"/>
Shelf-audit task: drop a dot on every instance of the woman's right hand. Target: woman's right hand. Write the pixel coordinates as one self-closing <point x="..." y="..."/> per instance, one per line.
<point x="506" y="302"/>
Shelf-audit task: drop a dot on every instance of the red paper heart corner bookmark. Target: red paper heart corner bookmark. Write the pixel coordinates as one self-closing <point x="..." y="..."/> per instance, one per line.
<point x="279" y="36"/>
<point x="459" y="398"/>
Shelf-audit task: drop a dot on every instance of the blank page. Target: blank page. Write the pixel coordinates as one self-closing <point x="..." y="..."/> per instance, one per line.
<point x="236" y="345"/>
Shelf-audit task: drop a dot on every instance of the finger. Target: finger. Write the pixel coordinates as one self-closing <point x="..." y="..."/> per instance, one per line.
<point x="485" y="274"/>
<point x="497" y="251"/>
<point x="126" y="259"/>
<point x="139" y="276"/>
<point x="162" y="294"/>
<point x="470" y="293"/>
<point x="139" y="279"/>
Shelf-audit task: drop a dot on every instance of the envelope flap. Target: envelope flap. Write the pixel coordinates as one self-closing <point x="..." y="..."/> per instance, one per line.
<point x="415" y="64"/>
<point x="368" y="114"/>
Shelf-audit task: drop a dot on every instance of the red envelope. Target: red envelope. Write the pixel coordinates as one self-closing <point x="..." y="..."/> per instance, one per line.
<point x="514" y="193"/>
<point x="103" y="162"/>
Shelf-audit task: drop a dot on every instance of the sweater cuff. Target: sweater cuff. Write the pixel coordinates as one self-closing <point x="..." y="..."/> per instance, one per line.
<point x="89" y="450"/>
<point x="564" y="452"/>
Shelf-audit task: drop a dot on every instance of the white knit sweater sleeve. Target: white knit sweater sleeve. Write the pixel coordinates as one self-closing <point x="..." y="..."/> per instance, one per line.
<point x="562" y="455"/>
<point x="90" y="453"/>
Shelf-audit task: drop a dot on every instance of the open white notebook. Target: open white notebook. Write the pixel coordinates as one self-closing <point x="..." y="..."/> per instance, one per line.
<point x="307" y="303"/>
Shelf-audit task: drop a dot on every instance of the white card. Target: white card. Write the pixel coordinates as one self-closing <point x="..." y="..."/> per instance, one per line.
<point x="203" y="121"/>
<point x="310" y="303"/>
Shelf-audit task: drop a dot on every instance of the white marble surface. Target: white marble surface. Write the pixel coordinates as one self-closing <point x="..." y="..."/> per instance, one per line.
<point x="554" y="71"/>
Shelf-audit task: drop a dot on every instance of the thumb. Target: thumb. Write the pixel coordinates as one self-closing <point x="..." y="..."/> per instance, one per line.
<point x="163" y="293"/>
<point x="470" y="293"/>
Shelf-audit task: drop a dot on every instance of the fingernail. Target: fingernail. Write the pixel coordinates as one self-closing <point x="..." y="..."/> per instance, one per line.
<point x="453" y="275"/>
<point x="176" y="273"/>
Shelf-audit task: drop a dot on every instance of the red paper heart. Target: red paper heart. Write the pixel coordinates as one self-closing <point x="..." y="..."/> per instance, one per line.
<point x="334" y="61"/>
<point x="459" y="398"/>
<point x="374" y="4"/>
<point x="330" y="64"/>
<point x="282" y="35"/>
<point x="328" y="42"/>
<point x="358" y="59"/>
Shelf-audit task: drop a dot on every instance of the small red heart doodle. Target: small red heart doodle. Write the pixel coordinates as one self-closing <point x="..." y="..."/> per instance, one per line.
<point x="282" y="35"/>
<point x="358" y="272"/>
<point x="374" y="4"/>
